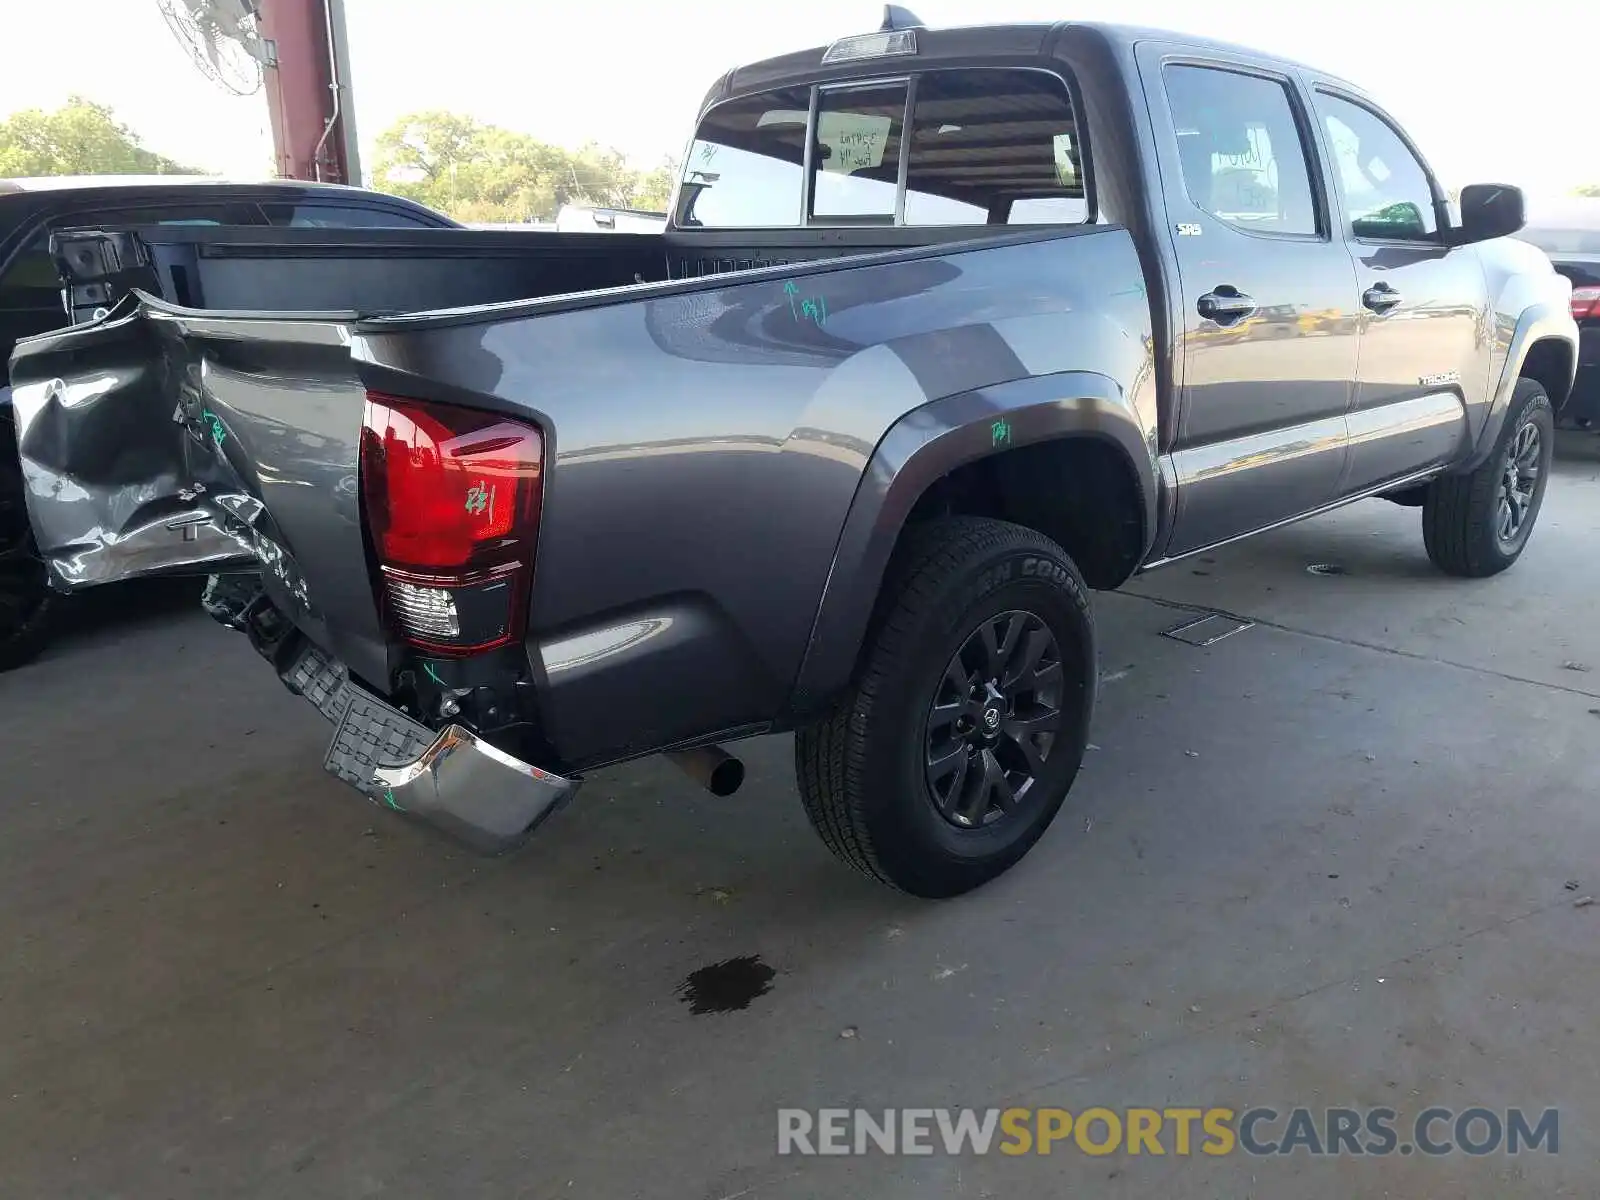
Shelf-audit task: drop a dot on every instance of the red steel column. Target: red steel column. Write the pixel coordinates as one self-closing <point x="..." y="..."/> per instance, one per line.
<point x="300" y="97"/>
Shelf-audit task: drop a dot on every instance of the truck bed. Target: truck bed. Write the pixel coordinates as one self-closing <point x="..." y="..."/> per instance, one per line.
<point x="380" y="272"/>
<point x="742" y="409"/>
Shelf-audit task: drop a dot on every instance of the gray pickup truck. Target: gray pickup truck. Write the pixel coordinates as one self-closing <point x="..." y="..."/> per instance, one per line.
<point x="946" y="328"/>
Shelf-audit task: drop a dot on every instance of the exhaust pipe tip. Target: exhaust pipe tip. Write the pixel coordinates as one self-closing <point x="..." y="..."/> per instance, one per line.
<point x="712" y="767"/>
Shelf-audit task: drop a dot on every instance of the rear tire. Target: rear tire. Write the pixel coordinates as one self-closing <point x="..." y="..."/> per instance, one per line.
<point x="1477" y="525"/>
<point x="952" y="754"/>
<point x="26" y="602"/>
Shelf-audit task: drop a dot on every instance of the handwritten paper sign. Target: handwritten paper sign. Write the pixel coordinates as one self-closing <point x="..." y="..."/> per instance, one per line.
<point x="855" y="141"/>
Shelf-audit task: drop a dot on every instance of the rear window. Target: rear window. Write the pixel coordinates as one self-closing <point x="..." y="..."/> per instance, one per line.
<point x="986" y="147"/>
<point x="745" y="167"/>
<point x="857" y="157"/>
<point x="992" y="148"/>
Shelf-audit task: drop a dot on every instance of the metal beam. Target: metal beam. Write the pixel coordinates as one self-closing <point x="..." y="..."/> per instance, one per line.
<point x="308" y="93"/>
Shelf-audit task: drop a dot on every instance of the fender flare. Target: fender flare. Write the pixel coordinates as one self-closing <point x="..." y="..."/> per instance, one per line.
<point x="1545" y="320"/>
<point x="925" y="445"/>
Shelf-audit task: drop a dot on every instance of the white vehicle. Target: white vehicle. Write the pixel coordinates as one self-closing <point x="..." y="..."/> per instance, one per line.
<point x="580" y="218"/>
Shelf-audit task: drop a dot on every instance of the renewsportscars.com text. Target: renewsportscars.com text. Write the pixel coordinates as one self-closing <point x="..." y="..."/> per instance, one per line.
<point x="1212" y="1131"/>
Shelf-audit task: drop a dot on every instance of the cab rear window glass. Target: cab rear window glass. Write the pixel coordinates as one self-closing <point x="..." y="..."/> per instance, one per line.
<point x="746" y="167"/>
<point x="985" y="147"/>
<point x="856" y="163"/>
<point x="993" y="148"/>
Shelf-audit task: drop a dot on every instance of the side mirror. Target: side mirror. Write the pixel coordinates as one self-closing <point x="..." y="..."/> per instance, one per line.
<point x="1488" y="210"/>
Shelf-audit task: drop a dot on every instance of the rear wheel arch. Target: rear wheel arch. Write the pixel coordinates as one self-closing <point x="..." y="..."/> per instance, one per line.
<point x="1063" y="454"/>
<point x="1543" y="347"/>
<point x="1080" y="490"/>
<point x="1550" y="361"/>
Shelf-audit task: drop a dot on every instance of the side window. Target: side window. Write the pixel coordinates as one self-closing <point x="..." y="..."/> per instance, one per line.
<point x="993" y="147"/>
<point x="1385" y="189"/>
<point x="746" y="165"/>
<point x="1243" y="158"/>
<point x="309" y="215"/>
<point x="856" y="162"/>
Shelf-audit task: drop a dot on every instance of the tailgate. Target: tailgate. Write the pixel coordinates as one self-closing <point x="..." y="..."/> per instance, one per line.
<point x="158" y="440"/>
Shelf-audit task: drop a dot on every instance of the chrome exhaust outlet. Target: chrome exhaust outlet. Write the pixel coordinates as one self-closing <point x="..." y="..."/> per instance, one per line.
<point x="712" y="767"/>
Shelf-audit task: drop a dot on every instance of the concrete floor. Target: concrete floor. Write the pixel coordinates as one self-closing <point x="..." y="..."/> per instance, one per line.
<point x="1323" y="862"/>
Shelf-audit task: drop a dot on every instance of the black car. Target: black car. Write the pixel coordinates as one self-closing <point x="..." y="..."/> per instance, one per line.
<point x="30" y="303"/>
<point x="1569" y="232"/>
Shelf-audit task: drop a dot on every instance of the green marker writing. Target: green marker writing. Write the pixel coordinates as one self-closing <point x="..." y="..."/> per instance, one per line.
<point x="218" y="433"/>
<point x="1000" y="432"/>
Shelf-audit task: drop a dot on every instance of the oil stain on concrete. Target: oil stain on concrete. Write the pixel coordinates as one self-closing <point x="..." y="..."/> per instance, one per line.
<point x="726" y="986"/>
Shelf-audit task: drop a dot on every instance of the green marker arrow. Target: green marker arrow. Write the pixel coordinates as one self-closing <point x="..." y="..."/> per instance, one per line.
<point x="791" y="290"/>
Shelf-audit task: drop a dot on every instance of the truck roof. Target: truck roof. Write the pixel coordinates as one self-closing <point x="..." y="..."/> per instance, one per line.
<point x="950" y="45"/>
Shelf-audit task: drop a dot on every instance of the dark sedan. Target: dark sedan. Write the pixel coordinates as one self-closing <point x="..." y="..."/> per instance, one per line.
<point x="1569" y="232"/>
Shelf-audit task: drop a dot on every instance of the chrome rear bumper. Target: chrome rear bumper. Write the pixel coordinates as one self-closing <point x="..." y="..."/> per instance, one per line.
<point x="479" y="794"/>
<point x="452" y="779"/>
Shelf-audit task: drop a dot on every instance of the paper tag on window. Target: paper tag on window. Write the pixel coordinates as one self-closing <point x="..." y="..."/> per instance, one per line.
<point x="855" y="141"/>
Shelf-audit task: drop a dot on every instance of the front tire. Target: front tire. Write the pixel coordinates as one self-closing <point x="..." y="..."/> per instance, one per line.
<point x="954" y="751"/>
<point x="1477" y="525"/>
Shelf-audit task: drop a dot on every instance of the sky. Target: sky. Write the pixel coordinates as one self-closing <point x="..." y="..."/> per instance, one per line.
<point x="1510" y="100"/>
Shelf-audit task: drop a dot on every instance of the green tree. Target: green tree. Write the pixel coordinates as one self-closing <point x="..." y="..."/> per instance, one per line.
<point x="80" y="138"/>
<point x="480" y="172"/>
<point x="1588" y="189"/>
<point x="655" y="187"/>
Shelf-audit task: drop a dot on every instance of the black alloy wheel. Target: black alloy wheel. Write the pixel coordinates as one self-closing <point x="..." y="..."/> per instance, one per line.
<point x="994" y="720"/>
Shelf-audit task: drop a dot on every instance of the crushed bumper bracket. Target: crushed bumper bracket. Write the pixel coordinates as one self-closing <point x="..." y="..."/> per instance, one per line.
<point x="451" y="779"/>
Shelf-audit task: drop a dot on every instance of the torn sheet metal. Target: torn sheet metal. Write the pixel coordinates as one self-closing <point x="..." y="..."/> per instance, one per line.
<point x="1208" y="629"/>
<point x="113" y="477"/>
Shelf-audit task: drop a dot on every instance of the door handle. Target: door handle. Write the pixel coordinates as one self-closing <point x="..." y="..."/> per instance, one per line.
<point x="1226" y="305"/>
<point x="1380" y="297"/>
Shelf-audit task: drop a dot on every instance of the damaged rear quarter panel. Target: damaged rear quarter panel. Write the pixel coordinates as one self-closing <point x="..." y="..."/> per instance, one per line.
<point x="165" y="442"/>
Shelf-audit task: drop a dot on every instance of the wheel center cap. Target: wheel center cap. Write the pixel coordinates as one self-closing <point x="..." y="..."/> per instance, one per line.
<point x="991" y="719"/>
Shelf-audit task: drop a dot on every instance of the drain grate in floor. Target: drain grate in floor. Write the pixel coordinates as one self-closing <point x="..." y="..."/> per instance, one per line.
<point x="1207" y="630"/>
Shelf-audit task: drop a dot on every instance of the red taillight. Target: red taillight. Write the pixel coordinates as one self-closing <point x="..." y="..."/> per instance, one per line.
<point x="452" y="501"/>
<point x="1586" y="303"/>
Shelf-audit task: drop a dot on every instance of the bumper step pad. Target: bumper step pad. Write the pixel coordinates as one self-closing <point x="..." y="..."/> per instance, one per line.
<point x="371" y="734"/>
<point x="449" y="778"/>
